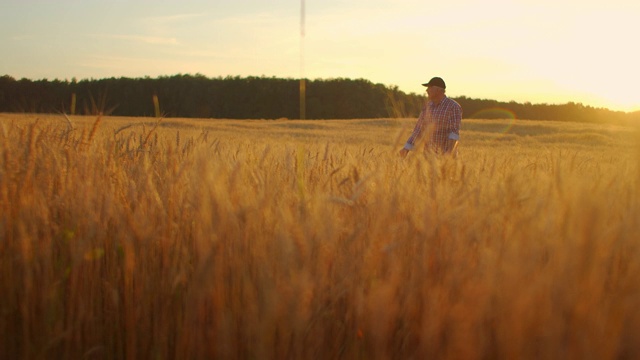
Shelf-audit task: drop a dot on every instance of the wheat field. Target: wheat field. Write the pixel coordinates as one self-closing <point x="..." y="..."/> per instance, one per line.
<point x="129" y="238"/>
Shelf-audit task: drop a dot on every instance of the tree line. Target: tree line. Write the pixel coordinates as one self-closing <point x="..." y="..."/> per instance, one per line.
<point x="198" y="96"/>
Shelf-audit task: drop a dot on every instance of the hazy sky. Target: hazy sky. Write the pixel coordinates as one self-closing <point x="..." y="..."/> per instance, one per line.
<point x="542" y="51"/>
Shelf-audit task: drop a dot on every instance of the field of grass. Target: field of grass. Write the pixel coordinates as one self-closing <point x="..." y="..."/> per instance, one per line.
<point x="125" y="238"/>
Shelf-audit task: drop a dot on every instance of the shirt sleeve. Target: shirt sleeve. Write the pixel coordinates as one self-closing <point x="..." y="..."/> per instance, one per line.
<point x="454" y="122"/>
<point x="417" y="130"/>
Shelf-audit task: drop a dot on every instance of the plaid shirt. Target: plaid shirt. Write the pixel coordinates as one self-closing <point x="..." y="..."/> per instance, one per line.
<point x="441" y="122"/>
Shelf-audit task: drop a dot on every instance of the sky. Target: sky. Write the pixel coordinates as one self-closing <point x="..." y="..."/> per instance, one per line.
<point x="538" y="51"/>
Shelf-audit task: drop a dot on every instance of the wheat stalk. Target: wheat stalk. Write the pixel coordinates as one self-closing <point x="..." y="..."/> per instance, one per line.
<point x="92" y="133"/>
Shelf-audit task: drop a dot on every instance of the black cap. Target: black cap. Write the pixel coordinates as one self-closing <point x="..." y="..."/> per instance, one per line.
<point x="436" y="81"/>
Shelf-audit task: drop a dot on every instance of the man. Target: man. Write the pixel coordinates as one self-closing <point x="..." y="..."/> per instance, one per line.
<point x="439" y="122"/>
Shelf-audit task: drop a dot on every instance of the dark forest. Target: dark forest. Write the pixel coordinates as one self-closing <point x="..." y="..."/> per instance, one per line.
<point x="198" y="96"/>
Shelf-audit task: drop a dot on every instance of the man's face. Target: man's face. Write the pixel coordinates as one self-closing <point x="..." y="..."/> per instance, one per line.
<point x="434" y="92"/>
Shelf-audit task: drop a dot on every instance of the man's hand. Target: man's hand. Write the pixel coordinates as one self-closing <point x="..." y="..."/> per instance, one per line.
<point x="451" y="146"/>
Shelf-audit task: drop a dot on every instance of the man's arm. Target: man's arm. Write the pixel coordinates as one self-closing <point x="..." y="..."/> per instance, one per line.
<point x="415" y="134"/>
<point x="454" y="122"/>
<point x="454" y="125"/>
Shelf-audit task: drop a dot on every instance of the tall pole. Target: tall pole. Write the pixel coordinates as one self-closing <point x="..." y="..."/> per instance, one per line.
<point x="303" y="85"/>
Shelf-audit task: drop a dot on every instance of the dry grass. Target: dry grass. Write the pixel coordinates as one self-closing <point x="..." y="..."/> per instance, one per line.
<point x="195" y="239"/>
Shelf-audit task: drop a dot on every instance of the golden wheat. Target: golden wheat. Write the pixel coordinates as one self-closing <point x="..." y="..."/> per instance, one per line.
<point x="313" y="239"/>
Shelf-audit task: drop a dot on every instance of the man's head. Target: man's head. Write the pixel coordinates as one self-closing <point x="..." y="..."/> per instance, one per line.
<point x="436" y="81"/>
<point x="436" y="89"/>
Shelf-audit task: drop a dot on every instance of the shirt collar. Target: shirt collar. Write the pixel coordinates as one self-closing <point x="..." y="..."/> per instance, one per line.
<point x="441" y="101"/>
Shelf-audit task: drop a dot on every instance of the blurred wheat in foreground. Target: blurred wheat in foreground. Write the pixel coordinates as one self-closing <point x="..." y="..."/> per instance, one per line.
<point x="186" y="239"/>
